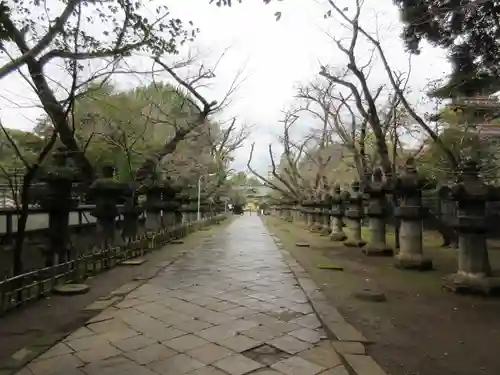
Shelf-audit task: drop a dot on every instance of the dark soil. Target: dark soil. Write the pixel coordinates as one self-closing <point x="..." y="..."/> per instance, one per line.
<point x="48" y="317"/>
<point x="420" y="329"/>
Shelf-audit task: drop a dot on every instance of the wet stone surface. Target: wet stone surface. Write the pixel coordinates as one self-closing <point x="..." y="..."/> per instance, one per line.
<point x="266" y="354"/>
<point x="231" y="306"/>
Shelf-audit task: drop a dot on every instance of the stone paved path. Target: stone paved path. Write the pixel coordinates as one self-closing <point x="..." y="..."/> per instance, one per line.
<point x="230" y="307"/>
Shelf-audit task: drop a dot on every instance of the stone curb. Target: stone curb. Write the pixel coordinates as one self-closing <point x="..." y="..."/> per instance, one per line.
<point x="25" y="355"/>
<point x="347" y="341"/>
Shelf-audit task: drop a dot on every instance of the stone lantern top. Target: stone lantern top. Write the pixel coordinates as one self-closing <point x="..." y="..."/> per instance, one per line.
<point x="470" y="187"/>
<point x="338" y="196"/>
<point x="326" y="198"/>
<point x="355" y="196"/>
<point x="108" y="189"/>
<point x="161" y="194"/>
<point x="376" y="186"/>
<point x="356" y="190"/>
<point x="309" y="197"/>
<point x="107" y="184"/>
<point x="59" y="170"/>
<point x="409" y="182"/>
<point x="354" y="201"/>
<point x="58" y="177"/>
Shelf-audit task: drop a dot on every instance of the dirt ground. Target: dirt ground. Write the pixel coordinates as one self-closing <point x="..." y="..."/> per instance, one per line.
<point x="420" y="329"/>
<point x="45" y="318"/>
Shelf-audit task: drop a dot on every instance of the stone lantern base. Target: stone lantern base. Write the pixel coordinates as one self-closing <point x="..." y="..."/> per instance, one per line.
<point x="378" y="250"/>
<point x="472" y="283"/>
<point x="354" y="243"/>
<point x="325" y="231"/>
<point x="316" y="227"/>
<point x="410" y="261"/>
<point x="338" y="236"/>
<point x="354" y="238"/>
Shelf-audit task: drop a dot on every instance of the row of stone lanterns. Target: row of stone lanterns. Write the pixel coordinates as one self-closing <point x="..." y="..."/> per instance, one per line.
<point x="347" y="208"/>
<point x="164" y="207"/>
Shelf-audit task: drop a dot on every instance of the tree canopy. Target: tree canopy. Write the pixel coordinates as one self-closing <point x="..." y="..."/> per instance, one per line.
<point x="468" y="29"/>
<point x="127" y="128"/>
<point x="28" y="144"/>
<point x="463" y="140"/>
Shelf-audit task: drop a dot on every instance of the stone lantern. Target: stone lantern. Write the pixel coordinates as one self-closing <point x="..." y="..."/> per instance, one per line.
<point x="472" y="194"/>
<point x="376" y="189"/>
<point x="354" y="215"/>
<point x="57" y="199"/>
<point x="410" y="213"/>
<point x="337" y="212"/>
<point x="107" y="193"/>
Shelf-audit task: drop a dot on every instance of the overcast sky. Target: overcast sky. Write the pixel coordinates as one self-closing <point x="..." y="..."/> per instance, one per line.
<point x="274" y="57"/>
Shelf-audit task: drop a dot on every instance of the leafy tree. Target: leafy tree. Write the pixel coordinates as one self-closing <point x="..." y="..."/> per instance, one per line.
<point x="239" y="179"/>
<point x="469" y="29"/>
<point x="254" y="182"/>
<point x="35" y="36"/>
<point x="463" y="141"/>
<point x="27" y="143"/>
<point x="126" y="128"/>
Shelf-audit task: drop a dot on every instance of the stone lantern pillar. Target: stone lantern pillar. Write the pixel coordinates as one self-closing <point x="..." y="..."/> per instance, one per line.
<point x="58" y="201"/>
<point x="354" y="215"/>
<point x="301" y="212"/>
<point x="326" y="212"/>
<point x="169" y="205"/>
<point x="306" y="212"/>
<point x="410" y="213"/>
<point x="107" y="193"/>
<point x="376" y="189"/>
<point x="289" y="211"/>
<point x="337" y="213"/>
<point x="294" y="212"/>
<point x="317" y="215"/>
<point x="472" y="194"/>
<point x="153" y="206"/>
<point x="285" y="211"/>
<point x="312" y="213"/>
<point x="218" y="205"/>
<point x="204" y="206"/>
<point x="192" y="208"/>
<point x="182" y="198"/>
<point x="131" y="213"/>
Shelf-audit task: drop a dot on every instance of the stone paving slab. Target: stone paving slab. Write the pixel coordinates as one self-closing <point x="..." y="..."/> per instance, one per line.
<point x="232" y="307"/>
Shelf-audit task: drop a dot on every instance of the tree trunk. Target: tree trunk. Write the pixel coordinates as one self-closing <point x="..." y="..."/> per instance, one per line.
<point x="449" y="236"/>
<point x="17" y="263"/>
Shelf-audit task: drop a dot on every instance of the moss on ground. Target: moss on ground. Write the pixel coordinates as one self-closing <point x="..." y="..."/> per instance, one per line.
<point x="419" y="322"/>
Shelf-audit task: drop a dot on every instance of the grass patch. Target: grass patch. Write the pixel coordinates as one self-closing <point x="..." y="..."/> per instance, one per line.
<point x="329" y="266"/>
<point x="430" y="238"/>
